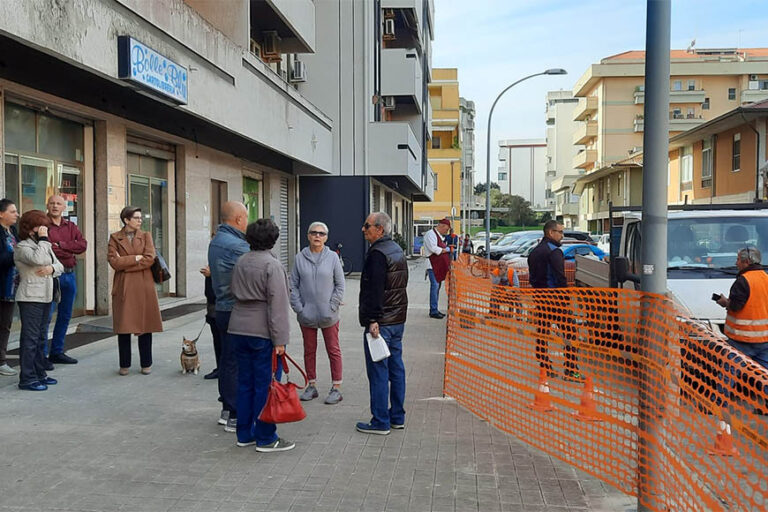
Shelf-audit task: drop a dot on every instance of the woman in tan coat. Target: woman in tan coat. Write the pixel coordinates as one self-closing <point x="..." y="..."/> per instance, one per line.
<point x="134" y="299"/>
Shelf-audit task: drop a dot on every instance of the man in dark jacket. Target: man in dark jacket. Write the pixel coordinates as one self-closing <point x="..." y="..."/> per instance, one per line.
<point x="546" y="269"/>
<point x="383" y="307"/>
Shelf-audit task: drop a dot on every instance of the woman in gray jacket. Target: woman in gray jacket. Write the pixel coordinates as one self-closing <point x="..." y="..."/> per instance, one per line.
<point x="317" y="290"/>
<point x="37" y="266"/>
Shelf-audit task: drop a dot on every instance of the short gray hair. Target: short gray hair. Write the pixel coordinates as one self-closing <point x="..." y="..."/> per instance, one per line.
<point x="750" y="255"/>
<point x="318" y="223"/>
<point x="383" y="220"/>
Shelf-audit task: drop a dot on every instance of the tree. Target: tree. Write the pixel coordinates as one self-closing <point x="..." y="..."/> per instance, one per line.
<point x="480" y="188"/>
<point x="520" y="212"/>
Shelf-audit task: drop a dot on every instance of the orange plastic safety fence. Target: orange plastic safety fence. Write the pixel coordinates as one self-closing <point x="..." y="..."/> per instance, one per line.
<point x="564" y="370"/>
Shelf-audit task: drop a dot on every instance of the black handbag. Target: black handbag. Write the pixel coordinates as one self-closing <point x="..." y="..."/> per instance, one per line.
<point x="160" y="272"/>
<point x="56" y="287"/>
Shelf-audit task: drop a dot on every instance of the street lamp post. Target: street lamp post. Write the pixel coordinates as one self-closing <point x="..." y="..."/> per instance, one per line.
<point x="553" y="71"/>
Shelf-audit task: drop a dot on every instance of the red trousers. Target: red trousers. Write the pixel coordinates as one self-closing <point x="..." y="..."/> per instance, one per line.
<point x="331" y="338"/>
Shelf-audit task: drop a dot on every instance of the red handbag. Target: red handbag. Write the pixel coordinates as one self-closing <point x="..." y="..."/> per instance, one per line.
<point x="283" y="405"/>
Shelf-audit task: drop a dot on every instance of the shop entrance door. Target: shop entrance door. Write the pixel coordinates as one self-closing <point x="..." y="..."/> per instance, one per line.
<point x="151" y="195"/>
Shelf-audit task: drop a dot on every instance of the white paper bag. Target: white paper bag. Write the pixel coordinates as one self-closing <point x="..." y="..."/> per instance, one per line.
<point x="377" y="347"/>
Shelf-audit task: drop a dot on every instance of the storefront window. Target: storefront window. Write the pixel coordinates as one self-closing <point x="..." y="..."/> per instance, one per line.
<point x="251" y="198"/>
<point x="60" y="138"/>
<point x="20" y="131"/>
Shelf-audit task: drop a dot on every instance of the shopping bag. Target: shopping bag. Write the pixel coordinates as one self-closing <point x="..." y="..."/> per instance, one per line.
<point x="377" y="347"/>
<point x="283" y="405"/>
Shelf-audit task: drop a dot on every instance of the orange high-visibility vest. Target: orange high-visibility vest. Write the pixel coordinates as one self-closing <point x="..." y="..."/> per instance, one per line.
<point x="510" y="274"/>
<point x="750" y="324"/>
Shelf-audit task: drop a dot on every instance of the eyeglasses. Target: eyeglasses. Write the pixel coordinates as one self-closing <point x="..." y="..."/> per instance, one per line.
<point x="558" y="231"/>
<point x="137" y="218"/>
<point x="318" y="233"/>
<point x="366" y="225"/>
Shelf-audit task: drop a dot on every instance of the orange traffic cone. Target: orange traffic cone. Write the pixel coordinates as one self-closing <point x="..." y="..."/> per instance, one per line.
<point x="541" y="400"/>
<point x="724" y="441"/>
<point x="587" y="410"/>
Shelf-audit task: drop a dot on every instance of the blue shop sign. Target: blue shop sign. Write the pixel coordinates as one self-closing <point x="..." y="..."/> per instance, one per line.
<point x="142" y="65"/>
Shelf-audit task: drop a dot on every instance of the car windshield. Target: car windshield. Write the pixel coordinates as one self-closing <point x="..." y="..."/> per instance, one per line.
<point x="506" y="239"/>
<point x="713" y="242"/>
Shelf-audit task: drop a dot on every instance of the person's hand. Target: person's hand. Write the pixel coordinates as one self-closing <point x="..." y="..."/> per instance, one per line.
<point x="45" y="270"/>
<point x="374" y="329"/>
<point x="42" y="231"/>
<point x="206" y="271"/>
<point x="138" y="258"/>
<point x="723" y="301"/>
<point x="280" y="349"/>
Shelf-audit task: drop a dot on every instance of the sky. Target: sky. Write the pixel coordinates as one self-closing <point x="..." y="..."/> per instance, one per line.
<point x="496" y="42"/>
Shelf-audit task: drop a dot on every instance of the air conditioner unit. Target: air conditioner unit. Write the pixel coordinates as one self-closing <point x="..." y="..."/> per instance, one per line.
<point x="753" y="77"/>
<point x="299" y="72"/>
<point x="389" y="103"/>
<point x="389" y="29"/>
<point x="255" y="48"/>
<point x="270" y="48"/>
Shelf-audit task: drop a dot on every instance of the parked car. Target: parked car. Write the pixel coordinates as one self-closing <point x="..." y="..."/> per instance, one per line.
<point x="478" y="241"/>
<point x="520" y="237"/>
<point x="579" y="235"/>
<point x="603" y="242"/>
<point x="526" y="249"/>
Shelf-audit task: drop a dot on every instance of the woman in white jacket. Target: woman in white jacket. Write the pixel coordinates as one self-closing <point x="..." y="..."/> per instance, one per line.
<point x="317" y="289"/>
<point x="37" y="266"/>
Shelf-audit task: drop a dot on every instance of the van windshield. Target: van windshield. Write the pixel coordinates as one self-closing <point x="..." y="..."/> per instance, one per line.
<point x="713" y="242"/>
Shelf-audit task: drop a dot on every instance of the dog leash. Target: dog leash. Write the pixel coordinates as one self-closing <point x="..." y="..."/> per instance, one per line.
<point x="201" y="331"/>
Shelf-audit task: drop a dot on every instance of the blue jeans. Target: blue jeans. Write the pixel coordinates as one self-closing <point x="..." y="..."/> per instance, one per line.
<point x="32" y="341"/>
<point x="386" y="379"/>
<point x="227" y="365"/>
<point x="434" y="292"/>
<point x="68" y="292"/>
<point x="254" y="361"/>
<point x="758" y="352"/>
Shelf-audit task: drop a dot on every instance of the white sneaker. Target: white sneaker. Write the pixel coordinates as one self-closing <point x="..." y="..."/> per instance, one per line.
<point x="7" y="370"/>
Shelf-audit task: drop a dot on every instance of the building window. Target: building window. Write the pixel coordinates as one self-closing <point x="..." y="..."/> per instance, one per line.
<point x="502" y="176"/>
<point x="731" y="93"/>
<point x="677" y="113"/>
<point x="686" y="168"/>
<point x="706" y="163"/>
<point x="620" y="185"/>
<point x="435" y="140"/>
<point x="736" y="152"/>
<point x="705" y="105"/>
<point x="691" y="113"/>
<point x="691" y="85"/>
<point x="677" y="85"/>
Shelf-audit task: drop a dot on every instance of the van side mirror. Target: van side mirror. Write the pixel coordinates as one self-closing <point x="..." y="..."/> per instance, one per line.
<point x="621" y="270"/>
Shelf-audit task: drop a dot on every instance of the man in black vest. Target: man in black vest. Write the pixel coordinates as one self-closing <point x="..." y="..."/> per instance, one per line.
<point x="383" y="307"/>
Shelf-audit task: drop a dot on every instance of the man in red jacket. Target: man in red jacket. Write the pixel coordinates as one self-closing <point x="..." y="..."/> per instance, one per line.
<point x="67" y="241"/>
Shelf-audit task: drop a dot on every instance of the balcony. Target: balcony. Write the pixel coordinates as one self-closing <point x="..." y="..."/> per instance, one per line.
<point x="401" y="75"/>
<point x="697" y="96"/>
<point x="567" y="209"/>
<point x="584" y="158"/>
<point x="293" y="20"/>
<point x="585" y="132"/>
<point x="677" y="123"/>
<point x="412" y="9"/>
<point x="394" y="151"/>
<point x="751" y="96"/>
<point x="430" y="115"/>
<point x="585" y="107"/>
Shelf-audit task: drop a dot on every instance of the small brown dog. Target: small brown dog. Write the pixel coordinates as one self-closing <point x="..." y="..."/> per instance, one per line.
<point x="190" y="361"/>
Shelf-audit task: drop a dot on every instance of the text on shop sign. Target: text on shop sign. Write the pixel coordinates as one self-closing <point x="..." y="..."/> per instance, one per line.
<point x="142" y="65"/>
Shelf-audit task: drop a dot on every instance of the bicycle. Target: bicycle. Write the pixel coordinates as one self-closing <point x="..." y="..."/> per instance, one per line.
<point x="346" y="265"/>
<point x="481" y="267"/>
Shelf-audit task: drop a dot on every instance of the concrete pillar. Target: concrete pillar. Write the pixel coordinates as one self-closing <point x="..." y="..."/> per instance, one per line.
<point x="181" y="196"/>
<point x="2" y="138"/>
<point x="110" y="159"/>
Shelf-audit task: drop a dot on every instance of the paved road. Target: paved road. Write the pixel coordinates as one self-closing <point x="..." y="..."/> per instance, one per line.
<point x="101" y="442"/>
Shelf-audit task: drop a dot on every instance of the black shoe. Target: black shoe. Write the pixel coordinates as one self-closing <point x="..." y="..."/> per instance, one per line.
<point x="48" y="365"/>
<point x="62" y="358"/>
<point x="35" y="386"/>
<point x="437" y="315"/>
<point x="213" y="375"/>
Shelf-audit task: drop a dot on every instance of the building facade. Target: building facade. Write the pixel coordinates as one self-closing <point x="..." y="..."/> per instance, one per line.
<point x="444" y="154"/>
<point x="174" y="106"/>
<point x="561" y="174"/>
<point x="523" y="170"/>
<point x="369" y="73"/>
<point x="704" y="83"/>
<point x="467" y="114"/>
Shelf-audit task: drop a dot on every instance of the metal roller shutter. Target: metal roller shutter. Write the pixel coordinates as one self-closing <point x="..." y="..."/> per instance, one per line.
<point x="283" y="222"/>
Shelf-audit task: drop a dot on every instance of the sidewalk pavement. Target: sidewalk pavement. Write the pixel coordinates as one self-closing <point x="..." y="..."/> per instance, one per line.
<point x="101" y="442"/>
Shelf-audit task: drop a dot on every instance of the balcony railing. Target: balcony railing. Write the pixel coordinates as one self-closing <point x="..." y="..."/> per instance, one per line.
<point x="394" y="151"/>
<point x="697" y="96"/>
<point x="751" y="95"/>
<point x="401" y="75"/>
<point x="585" y="132"/>
<point x="585" y="107"/>
<point x="584" y="158"/>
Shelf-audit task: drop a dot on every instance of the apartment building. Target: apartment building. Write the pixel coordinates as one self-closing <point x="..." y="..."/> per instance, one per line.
<point x="444" y="153"/>
<point x="722" y="160"/>
<point x="523" y="170"/>
<point x="704" y="83"/>
<point x="561" y="149"/>
<point x="369" y="74"/>
<point x="467" y="114"/>
<point x="175" y="106"/>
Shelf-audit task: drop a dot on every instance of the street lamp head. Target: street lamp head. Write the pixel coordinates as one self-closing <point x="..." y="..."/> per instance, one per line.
<point x="556" y="71"/>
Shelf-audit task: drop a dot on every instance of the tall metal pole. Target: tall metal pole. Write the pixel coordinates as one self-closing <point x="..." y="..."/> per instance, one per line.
<point x="554" y="71"/>
<point x="654" y="230"/>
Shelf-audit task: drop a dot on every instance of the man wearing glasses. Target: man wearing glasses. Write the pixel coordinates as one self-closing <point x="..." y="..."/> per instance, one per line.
<point x="546" y="268"/>
<point x="383" y="307"/>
